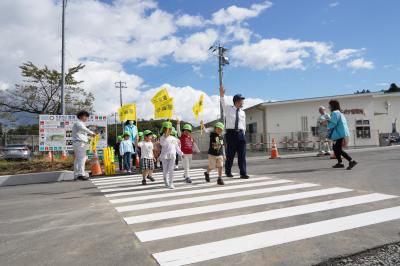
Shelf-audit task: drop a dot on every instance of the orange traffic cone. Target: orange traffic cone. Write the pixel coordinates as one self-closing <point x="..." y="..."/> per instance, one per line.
<point x="274" y="151"/>
<point x="49" y="156"/>
<point x="64" y="156"/>
<point x="95" y="167"/>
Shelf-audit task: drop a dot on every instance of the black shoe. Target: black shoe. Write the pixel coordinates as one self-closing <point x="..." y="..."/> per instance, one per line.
<point x="244" y="177"/>
<point x="144" y="182"/>
<point x="351" y="165"/>
<point x="188" y="180"/>
<point x="151" y="178"/>
<point x="220" y="181"/>
<point x="207" y="176"/>
<point x="229" y="175"/>
<point x="338" y="165"/>
<point x="81" y="177"/>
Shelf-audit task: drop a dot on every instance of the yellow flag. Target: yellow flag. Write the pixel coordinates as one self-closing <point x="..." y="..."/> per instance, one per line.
<point x="198" y="107"/>
<point x="164" y="109"/>
<point x="127" y="112"/>
<point x="93" y="142"/>
<point x="161" y="96"/>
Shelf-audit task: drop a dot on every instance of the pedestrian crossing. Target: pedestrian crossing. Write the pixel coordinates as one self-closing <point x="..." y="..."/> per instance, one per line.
<point x="191" y="211"/>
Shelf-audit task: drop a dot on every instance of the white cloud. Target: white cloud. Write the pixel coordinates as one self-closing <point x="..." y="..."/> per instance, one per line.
<point x="105" y="36"/>
<point x="382" y="84"/>
<point x="360" y="63"/>
<point x="277" y="54"/>
<point x="195" y="47"/>
<point x="234" y="14"/>
<point x="334" y="4"/>
<point x="190" y="21"/>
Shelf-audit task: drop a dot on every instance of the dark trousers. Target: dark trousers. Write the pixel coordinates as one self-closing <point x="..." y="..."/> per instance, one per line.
<point x="133" y="155"/>
<point x="120" y="162"/>
<point x="339" y="152"/>
<point x="127" y="161"/>
<point x="235" y="142"/>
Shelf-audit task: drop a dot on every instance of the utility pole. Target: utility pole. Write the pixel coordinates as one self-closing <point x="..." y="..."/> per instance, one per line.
<point x="121" y="85"/>
<point x="64" y="4"/>
<point x="222" y="61"/>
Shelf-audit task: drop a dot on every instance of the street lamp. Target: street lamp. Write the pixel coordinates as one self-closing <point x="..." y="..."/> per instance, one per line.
<point x="223" y="60"/>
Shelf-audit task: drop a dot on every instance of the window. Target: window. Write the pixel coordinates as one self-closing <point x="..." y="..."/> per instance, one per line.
<point x="304" y="124"/>
<point x="252" y="130"/>
<point x="314" y="131"/>
<point x="363" y="129"/>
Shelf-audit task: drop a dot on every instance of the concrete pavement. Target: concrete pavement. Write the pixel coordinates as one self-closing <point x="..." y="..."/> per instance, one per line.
<point x="67" y="223"/>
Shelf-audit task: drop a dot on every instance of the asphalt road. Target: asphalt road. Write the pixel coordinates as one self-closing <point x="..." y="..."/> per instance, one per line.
<point x="73" y="223"/>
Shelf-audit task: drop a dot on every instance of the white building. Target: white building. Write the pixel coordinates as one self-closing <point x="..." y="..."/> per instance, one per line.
<point x="292" y="123"/>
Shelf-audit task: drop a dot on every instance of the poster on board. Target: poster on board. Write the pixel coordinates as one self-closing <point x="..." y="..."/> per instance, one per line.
<point x="55" y="131"/>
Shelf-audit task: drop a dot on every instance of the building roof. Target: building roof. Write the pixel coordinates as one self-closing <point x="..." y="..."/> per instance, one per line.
<point x="355" y="95"/>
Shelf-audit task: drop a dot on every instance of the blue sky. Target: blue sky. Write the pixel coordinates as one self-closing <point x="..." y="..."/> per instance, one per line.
<point x="279" y="49"/>
<point x="357" y="24"/>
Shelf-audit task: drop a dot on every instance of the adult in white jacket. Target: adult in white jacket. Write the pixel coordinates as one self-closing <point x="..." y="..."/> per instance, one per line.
<point x="80" y="140"/>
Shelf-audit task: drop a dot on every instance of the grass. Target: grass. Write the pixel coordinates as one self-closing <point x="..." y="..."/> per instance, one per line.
<point x="34" y="166"/>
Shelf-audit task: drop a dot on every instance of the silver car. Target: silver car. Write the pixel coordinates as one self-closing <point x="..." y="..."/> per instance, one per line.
<point x="17" y="151"/>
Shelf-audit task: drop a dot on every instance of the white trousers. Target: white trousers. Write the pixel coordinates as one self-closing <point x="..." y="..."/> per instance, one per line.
<point x="168" y="171"/>
<point x="80" y="158"/>
<point x="324" y="143"/>
<point x="187" y="163"/>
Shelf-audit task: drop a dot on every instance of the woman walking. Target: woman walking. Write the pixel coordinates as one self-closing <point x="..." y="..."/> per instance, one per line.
<point x="339" y="133"/>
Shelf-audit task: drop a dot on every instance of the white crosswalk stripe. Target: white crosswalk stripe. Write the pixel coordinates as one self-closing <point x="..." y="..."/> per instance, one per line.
<point x="138" y="185"/>
<point x="237" y="245"/>
<point x="211" y="197"/>
<point x="160" y="214"/>
<point x="184" y="193"/>
<point x="126" y="179"/>
<point x="191" y="228"/>
<point x="200" y="184"/>
<point x="159" y="181"/>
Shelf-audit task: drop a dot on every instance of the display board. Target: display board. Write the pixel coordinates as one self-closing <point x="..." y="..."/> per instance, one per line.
<point x="55" y="131"/>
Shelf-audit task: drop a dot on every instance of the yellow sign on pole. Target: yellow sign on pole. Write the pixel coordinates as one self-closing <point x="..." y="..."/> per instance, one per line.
<point x="163" y="104"/>
<point x="109" y="166"/>
<point x="198" y="107"/>
<point x="161" y="96"/>
<point x="164" y="109"/>
<point x="127" y="112"/>
<point x="93" y="143"/>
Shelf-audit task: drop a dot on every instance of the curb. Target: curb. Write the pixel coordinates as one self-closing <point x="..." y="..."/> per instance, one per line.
<point x="36" y="178"/>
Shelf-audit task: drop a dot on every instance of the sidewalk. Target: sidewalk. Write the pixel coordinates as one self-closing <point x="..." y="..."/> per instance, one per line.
<point x="203" y="163"/>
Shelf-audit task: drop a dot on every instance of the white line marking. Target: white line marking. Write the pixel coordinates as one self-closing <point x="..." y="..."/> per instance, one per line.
<point x="139" y="178"/>
<point x="160" y="181"/>
<point x="136" y="176"/>
<point x="232" y="205"/>
<point x="184" y="186"/>
<point x="157" y="204"/>
<point x="218" y="249"/>
<point x="201" y="191"/>
<point x="204" y="226"/>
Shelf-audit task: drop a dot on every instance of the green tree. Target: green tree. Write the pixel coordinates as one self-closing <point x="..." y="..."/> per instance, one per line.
<point x="393" y="88"/>
<point x="40" y="92"/>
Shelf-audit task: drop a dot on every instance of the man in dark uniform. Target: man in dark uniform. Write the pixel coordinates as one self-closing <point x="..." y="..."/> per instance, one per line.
<point x="235" y="133"/>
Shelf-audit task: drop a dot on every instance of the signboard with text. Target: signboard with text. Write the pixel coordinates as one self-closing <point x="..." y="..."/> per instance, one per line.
<point x="55" y="131"/>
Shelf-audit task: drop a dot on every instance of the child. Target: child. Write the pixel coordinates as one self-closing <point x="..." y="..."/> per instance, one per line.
<point x="169" y="151"/>
<point x="126" y="150"/>
<point x="157" y="150"/>
<point x="147" y="158"/>
<point x="216" y="153"/>
<point x="116" y="149"/>
<point x="138" y="150"/>
<point x="186" y="147"/>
